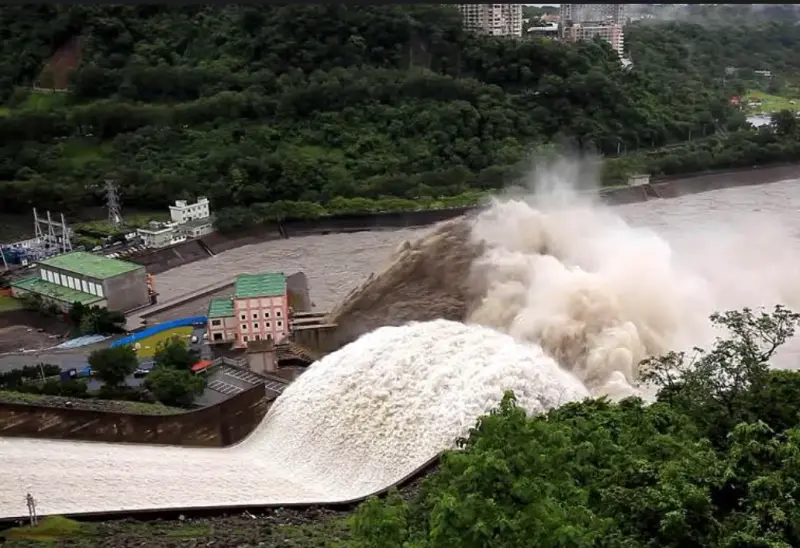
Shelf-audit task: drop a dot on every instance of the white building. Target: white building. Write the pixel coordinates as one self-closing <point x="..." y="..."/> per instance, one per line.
<point x="188" y="221"/>
<point x="183" y="212"/>
<point x="160" y="234"/>
<point x="493" y="19"/>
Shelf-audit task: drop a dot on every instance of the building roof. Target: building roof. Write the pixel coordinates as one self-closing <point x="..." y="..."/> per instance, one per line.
<point x="269" y="284"/>
<point x="56" y="292"/>
<point x="220" y="308"/>
<point x="91" y="265"/>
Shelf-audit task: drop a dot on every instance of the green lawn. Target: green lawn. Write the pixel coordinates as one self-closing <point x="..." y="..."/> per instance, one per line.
<point x="44" y="101"/>
<point x="49" y="530"/>
<point x="133" y="220"/>
<point x="771" y="103"/>
<point x="147" y="347"/>
<point x="9" y="303"/>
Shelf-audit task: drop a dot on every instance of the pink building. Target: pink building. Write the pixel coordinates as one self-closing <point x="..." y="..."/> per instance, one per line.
<point x="258" y="310"/>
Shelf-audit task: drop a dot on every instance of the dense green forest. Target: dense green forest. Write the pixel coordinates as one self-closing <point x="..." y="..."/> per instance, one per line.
<point x="346" y="108"/>
<point x="713" y="463"/>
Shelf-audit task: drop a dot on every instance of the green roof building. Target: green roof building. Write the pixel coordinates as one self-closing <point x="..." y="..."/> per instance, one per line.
<point x="258" y="310"/>
<point x="89" y="279"/>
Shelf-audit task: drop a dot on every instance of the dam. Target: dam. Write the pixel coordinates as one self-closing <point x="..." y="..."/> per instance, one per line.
<point x="368" y="414"/>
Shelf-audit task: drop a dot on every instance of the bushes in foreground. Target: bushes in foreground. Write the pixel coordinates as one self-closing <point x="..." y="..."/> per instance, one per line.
<point x="714" y="462"/>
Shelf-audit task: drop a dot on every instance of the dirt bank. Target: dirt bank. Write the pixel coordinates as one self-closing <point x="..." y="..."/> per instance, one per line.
<point x="24" y="329"/>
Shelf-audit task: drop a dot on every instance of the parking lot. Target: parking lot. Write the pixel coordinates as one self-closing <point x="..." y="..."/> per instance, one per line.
<point x="224" y="382"/>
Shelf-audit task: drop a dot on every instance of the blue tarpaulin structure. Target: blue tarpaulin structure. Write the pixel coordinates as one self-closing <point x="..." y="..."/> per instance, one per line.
<point x="150" y="331"/>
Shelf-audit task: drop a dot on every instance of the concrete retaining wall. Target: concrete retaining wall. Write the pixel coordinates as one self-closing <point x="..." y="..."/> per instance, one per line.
<point x="224" y="424"/>
<point x="161" y="260"/>
<point x="665" y="187"/>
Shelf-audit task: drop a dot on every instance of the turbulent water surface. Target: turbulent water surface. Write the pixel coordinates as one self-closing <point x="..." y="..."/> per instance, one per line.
<point x="569" y="297"/>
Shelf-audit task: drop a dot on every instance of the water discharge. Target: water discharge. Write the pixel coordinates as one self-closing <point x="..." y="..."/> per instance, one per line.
<point x="550" y="295"/>
<point x="356" y="421"/>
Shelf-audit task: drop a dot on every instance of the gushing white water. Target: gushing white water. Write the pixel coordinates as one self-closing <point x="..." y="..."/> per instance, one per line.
<point x="356" y="421"/>
<point x="599" y="295"/>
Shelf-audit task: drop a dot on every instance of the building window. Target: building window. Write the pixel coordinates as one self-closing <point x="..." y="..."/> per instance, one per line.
<point x="244" y="327"/>
<point x="243" y="316"/>
<point x="258" y="337"/>
<point x="278" y="313"/>
<point x="244" y="338"/>
<point x="217" y="336"/>
<point x="269" y="336"/>
<point x="268" y="325"/>
<point x="216" y="322"/>
<point x="266" y="314"/>
<point x="280" y="324"/>
<point x="255" y="326"/>
<point x="255" y="315"/>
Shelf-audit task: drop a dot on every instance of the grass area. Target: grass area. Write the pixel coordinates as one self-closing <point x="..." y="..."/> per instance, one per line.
<point x="279" y="528"/>
<point x="4" y="112"/>
<point x="9" y="303"/>
<point x="44" y="102"/>
<point x="78" y="153"/>
<point x="138" y="408"/>
<point x="147" y="347"/>
<point x="134" y="220"/>
<point x="50" y="529"/>
<point x="770" y="103"/>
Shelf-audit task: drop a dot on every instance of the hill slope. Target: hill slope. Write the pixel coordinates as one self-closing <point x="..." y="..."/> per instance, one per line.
<point x="322" y="104"/>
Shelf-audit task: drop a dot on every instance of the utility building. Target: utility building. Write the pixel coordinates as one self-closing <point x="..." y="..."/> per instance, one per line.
<point x="89" y="279"/>
<point x="258" y="310"/>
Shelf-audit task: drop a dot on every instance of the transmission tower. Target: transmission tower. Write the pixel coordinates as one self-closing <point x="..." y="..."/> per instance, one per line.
<point x="112" y="200"/>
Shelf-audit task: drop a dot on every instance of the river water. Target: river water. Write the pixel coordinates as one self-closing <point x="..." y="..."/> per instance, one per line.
<point x="337" y="263"/>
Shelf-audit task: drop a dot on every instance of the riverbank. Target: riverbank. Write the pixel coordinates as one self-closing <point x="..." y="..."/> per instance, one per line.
<point x="164" y="259"/>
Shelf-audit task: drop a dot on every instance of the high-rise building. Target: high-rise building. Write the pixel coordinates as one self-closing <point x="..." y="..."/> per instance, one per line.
<point x="593" y="13"/>
<point x="585" y="21"/>
<point x="493" y="19"/>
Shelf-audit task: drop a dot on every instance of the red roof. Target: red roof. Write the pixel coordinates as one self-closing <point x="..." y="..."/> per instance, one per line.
<point x="199" y="366"/>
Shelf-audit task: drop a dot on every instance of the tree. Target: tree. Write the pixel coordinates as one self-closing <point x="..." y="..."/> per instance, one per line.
<point x="174" y="387"/>
<point x="114" y="364"/>
<point x="594" y="473"/>
<point x="714" y="387"/>
<point x="96" y="320"/>
<point x="175" y="353"/>
<point x="784" y="122"/>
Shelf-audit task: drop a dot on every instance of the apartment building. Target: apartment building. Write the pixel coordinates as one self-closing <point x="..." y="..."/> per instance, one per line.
<point x="493" y="19"/>
<point x="587" y="21"/>
<point x="593" y="13"/>
<point x="611" y="33"/>
<point x="258" y="310"/>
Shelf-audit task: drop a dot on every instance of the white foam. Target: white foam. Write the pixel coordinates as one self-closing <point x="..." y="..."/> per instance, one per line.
<point x="356" y="421"/>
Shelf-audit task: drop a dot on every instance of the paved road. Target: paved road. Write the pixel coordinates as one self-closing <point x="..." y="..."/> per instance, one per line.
<point x="65" y="360"/>
<point x="76" y="358"/>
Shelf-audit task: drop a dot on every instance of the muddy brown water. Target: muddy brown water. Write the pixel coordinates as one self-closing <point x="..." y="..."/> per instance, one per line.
<point x="337" y="263"/>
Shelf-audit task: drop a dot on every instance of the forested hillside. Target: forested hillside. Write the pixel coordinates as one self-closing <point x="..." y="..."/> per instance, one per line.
<point x="318" y="103"/>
